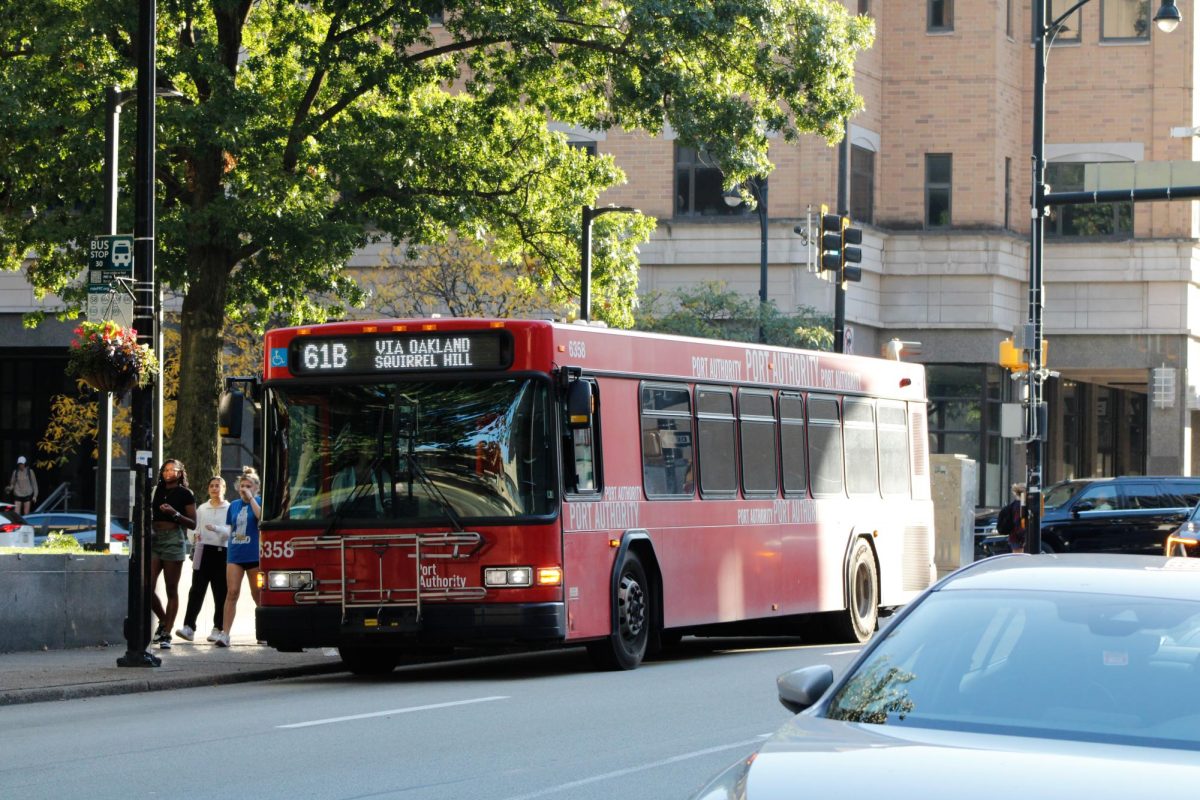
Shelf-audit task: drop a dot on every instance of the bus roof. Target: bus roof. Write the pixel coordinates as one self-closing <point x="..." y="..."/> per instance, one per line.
<point x="543" y="345"/>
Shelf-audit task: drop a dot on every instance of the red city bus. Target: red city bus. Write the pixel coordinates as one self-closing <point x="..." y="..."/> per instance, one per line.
<point x="468" y="482"/>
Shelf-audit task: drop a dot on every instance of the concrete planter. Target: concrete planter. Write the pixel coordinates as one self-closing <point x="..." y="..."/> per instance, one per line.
<point x="62" y="600"/>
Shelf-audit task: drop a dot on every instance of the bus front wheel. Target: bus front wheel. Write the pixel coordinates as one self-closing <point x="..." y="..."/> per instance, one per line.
<point x="369" y="660"/>
<point x="625" y="647"/>
<point x="858" y="621"/>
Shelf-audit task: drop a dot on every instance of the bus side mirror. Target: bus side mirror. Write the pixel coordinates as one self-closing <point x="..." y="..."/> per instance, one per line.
<point x="579" y="405"/>
<point x="229" y="413"/>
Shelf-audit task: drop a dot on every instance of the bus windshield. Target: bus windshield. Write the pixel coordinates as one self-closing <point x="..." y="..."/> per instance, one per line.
<point x="412" y="453"/>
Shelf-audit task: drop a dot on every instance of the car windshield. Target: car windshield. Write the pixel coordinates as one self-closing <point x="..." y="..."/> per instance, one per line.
<point x="1060" y="494"/>
<point x="1063" y="665"/>
<point x="412" y="453"/>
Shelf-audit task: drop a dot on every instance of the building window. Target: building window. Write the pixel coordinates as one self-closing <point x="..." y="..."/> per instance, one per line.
<point x="1007" y="193"/>
<point x="1125" y="19"/>
<point x="864" y="8"/>
<point x="1101" y="219"/>
<point x="940" y="15"/>
<point x="1008" y="18"/>
<point x="938" y="170"/>
<point x="698" y="186"/>
<point x="586" y="145"/>
<point x="862" y="184"/>
<point x="964" y="417"/>
<point x="1068" y="31"/>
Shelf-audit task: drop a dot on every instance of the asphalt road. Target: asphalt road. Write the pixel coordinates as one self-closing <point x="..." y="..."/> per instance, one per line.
<point x="508" y="727"/>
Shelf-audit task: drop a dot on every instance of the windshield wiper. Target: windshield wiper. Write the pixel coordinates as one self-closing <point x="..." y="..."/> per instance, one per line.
<point x="434" y="491"/>
<point x="356" y="494"/>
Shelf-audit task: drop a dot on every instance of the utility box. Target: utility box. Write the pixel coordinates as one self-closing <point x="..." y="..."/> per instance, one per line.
<point x="955" y="485"/>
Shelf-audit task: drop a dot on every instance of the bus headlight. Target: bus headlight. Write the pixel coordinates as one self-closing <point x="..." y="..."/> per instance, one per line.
<point x="508" y="576"/>
<point x="285" y="580"/>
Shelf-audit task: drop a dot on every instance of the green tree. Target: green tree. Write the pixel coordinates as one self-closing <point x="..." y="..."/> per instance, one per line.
<point x="310" y="129"/>
<point x="711" y="310"/>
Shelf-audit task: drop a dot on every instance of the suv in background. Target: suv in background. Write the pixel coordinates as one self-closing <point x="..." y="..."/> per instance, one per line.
<point x="1131" y="514"/>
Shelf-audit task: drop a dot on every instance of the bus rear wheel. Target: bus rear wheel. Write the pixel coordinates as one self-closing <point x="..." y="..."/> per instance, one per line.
<point x="626" y="646"/>
<point x="369" y="660"/>
<point x="858" y="621"/>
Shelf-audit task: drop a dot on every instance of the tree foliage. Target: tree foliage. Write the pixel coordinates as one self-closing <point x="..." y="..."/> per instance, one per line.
<point x="459" y="278"/>
<point x="309" y="130"/>
<point x="711" y="310"/>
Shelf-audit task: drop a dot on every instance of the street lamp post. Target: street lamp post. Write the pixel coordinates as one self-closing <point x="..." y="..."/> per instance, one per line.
<point x="114" y="99"/>
<point x="758" y="187"/>
<point x="585" y="255"/>
<point x="1166" y="18"/>
<point x="137" y="624"/>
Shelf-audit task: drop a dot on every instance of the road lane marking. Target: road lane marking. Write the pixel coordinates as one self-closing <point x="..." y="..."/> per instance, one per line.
<point x="408" y="710"/>
<point x="620" y="773"/>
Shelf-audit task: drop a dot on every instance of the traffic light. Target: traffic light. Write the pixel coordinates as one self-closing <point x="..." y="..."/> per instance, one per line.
<point x="831" y="241"/>
<point x="851" y="252"/>
<point x="1015" y="359"/>
<point x="840" y="248"/>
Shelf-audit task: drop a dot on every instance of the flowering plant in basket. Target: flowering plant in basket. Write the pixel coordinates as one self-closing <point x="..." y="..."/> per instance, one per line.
<point x="109" y="358"/>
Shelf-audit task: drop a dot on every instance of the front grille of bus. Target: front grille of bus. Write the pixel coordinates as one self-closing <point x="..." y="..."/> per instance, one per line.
<point x="420" y="548"/>
<point x="917" y="557"/>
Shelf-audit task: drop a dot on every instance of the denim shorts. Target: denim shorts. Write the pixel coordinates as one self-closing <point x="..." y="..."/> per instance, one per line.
<point x="168" y="545"/>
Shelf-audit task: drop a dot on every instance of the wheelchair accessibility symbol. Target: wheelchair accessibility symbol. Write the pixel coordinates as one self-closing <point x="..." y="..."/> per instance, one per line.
<point x="279" y="357"/>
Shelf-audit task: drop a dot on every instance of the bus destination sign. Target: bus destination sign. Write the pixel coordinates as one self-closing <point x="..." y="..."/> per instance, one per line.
<point x="368" y="354"/>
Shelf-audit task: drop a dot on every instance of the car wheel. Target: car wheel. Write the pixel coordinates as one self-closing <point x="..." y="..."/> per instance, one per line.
<point x="369" y="660"/>
<point x="858" y="621"/>
<point x="626" y="646"/>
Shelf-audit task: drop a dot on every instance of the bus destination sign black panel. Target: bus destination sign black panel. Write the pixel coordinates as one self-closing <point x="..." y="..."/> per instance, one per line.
<point x="379" y="353"/>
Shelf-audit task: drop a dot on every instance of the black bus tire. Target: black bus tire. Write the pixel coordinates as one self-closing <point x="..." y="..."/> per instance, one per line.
<point x="858" y="621"/>
<point x="626" y="646"/>
<point x="369" y="660"/>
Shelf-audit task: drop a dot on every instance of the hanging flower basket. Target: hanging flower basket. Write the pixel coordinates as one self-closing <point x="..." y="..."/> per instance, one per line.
<point x="109" y="359"/>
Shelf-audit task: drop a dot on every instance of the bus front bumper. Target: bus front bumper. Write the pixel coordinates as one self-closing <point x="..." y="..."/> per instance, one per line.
<point x="297" y="627"/>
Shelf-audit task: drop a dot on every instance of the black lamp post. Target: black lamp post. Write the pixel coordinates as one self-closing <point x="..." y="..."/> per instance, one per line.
<point x="585" y="255"/>
<point x="137" y="623"/>
<point x="1166" y="18"/>
<point x="758" y="188"/>
<point x="114" y="99"/>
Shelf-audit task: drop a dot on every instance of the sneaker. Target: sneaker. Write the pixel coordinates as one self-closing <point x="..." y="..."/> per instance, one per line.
<point x="216" y="632"/>
<point x="222" y="639"/>
<point x="165" y="642"/>
<point x="187" y="633"/>
<point x="159" y="632"/>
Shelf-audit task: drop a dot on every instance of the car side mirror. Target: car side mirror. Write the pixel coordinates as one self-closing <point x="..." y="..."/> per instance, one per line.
<point x="1081" y="506"/>
<point x="801" y="688"/>
<point x="579" y="405"/>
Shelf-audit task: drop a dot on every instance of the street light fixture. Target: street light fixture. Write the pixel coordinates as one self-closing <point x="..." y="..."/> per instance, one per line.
<point x="585" y="252"/>
<point x="1166" y="18"/>
<point x="758" y="189"/>
<point x="114" y="99"/>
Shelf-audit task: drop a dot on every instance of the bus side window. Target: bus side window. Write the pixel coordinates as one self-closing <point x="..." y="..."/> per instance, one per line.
<point x="760" y="469"/>
<point x="893" y="450"/>
<point x="791" y="444"/>
<point x="716" y="442"/>
<point x="582" y="451"/>
<point x="862" y="459"/>
<point x="667" y="467"/>
<point x="825" y="445"/>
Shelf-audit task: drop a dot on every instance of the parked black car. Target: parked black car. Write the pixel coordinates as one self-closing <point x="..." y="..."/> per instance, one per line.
<point x="1130" y="514"/>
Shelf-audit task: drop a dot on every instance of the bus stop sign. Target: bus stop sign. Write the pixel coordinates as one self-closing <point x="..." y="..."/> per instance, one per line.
<point x="110" y="275"/>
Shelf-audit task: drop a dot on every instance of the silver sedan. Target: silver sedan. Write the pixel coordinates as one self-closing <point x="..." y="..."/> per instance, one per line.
<point x="1018" y="676"/>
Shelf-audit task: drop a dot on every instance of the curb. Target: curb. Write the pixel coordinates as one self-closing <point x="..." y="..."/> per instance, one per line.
<point x="79" y="691"/>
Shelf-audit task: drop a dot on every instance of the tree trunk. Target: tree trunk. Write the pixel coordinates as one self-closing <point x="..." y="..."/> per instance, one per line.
<point x="195" y="439"/>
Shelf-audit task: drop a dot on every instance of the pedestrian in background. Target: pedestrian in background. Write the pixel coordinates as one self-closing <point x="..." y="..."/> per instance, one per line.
<point x="208" y="561"/>
<point x="1011" y="520"/>
<point x="174" y="513"/>
<point x="242" y="518"/>
<point x="23" y="487"/>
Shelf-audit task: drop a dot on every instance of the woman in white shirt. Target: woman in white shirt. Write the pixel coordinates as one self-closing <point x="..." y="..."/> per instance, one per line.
<point x="211" y="537"/>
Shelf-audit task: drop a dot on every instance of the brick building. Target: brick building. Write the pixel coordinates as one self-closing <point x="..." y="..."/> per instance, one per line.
<point x="940" y="182"/>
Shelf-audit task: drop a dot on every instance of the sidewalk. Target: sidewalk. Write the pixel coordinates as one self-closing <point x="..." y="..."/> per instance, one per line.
<point x="30" y="677"/>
